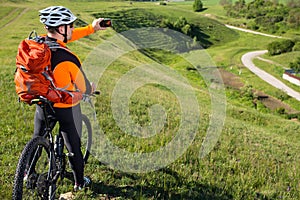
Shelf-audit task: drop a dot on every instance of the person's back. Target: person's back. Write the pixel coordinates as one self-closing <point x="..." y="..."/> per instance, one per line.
<point x="68" y="74"/>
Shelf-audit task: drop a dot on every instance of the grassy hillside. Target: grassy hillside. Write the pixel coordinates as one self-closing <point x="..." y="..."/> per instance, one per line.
<point x="256" y="156"/>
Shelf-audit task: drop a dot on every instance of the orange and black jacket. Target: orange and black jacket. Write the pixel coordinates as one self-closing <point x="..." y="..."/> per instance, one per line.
<point x="66" y="66"/>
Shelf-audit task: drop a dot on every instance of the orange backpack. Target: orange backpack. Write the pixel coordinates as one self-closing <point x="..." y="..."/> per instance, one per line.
<point x="33" y="75"/>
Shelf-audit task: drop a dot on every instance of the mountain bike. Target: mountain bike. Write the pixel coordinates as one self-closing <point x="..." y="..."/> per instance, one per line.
<point x="43" y="161"/>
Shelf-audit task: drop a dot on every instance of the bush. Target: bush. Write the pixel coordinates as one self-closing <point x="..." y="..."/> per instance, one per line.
<point x="293" y="18"/>
<point x="280" y="111"/>
<point x="281" y="95"/>
<point x="293" y="116"/>
<point x="296" y="47"/>
<point x="279" y="47"/>
<point x="252" y="25"/>
<point x="295" y="65"/>
<point x="180" y="23"/>
<point x="247" y="92"/>
<point x="198" y="5"/>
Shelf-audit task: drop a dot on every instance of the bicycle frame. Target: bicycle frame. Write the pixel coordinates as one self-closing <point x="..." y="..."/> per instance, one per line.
<point x="43" y="160"/>
<point x="56" y="146"/>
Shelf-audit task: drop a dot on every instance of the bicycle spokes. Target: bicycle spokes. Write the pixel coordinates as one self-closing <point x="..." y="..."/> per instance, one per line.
<point x="37" y="183"/>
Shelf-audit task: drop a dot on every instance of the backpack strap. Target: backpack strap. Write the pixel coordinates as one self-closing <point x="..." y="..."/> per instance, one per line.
<point x="52" y="44"/>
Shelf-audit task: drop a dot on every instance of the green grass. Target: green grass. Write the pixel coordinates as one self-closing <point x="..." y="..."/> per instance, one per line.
<point x="256" y="156"/>
<point x="275" y="70"/>
<point x="284" y="59"/>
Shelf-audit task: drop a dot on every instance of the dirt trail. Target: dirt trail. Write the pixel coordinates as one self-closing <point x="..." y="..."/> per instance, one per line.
<point x="247" y="62"/>
<point x="16" y="18"/>
<point x="250" y="31"/>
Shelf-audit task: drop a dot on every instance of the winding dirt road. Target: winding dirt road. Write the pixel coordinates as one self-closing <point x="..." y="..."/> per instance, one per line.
<point x="247" y="62"/>
<point x="250" y="31"/>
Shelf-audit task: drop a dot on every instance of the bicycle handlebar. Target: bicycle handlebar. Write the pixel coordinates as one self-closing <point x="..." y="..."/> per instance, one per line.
<point x="96" y="92"/>
<point x="40" y="100"/>
<point x="86" y="97"/>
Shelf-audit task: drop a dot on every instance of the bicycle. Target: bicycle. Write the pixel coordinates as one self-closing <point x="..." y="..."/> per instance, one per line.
<point x="43" y="160"/>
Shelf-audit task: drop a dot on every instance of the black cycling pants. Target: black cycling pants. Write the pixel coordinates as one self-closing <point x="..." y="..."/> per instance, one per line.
<point x="70" y="125"/>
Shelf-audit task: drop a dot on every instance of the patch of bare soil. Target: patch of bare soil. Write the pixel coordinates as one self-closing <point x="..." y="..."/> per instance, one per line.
<point x="273" y="103"/>
<point x="233" y="81"/>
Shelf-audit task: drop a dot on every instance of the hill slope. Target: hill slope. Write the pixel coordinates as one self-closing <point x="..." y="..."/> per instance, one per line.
<point x="256" y="156"/>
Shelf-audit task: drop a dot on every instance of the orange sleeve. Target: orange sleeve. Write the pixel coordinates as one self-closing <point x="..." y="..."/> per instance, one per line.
<point x="67" y="75"/>
<point x="82" y="32"/>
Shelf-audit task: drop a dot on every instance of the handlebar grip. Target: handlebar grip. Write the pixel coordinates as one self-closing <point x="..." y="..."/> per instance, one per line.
<point x="96" y="92"/>
<point x="40" y="100"/>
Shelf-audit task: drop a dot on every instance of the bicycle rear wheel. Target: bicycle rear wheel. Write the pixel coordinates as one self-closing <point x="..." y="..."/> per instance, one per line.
<point x="35" y="171"/>
<point x="86" y="138"/>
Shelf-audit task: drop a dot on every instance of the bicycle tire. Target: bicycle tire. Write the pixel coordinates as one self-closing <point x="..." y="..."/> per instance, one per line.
<point x="37" y="184"/>
<point x="86" y="138"/>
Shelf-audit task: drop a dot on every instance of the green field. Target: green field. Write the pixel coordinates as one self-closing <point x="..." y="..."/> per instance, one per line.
<point x="256" y="155"/>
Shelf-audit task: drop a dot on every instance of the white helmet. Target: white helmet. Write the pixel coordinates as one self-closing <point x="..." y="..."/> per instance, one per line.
<point x="55" y="16"/>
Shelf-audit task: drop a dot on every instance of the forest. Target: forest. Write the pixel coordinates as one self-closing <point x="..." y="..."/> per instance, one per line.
<point x="265" y="15"/>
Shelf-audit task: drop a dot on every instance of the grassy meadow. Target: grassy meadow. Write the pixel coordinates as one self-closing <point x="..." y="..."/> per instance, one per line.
<point x="256" y="155"/>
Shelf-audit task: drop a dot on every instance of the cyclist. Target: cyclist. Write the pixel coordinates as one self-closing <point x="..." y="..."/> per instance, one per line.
<point x="68" y="74"/>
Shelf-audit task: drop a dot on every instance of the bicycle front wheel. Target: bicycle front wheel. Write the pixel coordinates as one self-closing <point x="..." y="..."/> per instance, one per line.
<point x="35" y="172"/>
<point x="86" y="138"/>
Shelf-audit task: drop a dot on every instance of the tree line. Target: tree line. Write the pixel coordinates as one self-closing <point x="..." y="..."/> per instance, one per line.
<point x="265" y="15"/>
<point x="270" y="16"/>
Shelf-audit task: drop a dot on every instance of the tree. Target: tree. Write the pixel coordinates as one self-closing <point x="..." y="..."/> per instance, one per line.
<point x="198" y="5"/>
<point x="279" y="47"/>
<point x="268" y="15"/>
<point x="296" y="46"/>
<point x="180" y="23"/>
<point x="239" y="5"/>
<point x="296" y="65"/>
<point x="294" y="18"/>
<point x="293" y="4"/>
<point x="186" y="29"/>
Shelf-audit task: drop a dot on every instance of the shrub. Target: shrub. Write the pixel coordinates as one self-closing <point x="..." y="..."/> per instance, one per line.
<point x="293" y="18"/>
<point x="252" y="25"/>
<point x="295" y="65"/>
<point x="279" y="47"/>
<point x="247" y="92"/>
<point x="166" y="23"/>
<point x="281" y="95"/>
<point x="293" y="116"/>
<point x="186" y="29"/>
<point x="180" y="23"/>
<point x="296" y="47"/>
<point x="280" y="111"/>
<point x="198" y="5"/>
